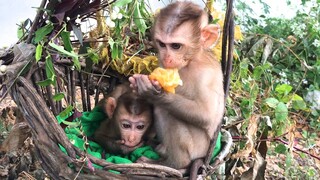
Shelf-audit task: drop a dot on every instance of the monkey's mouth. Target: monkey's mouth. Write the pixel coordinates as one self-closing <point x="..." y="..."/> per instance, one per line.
<point x="132" y="144"/>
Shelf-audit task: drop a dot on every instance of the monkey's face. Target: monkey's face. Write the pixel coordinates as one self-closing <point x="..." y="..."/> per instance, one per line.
<point x="175" y="48"/>
<point x="133" y="127"/>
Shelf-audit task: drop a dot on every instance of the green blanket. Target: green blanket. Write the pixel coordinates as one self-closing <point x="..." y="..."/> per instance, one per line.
<point x="89" y="122"/>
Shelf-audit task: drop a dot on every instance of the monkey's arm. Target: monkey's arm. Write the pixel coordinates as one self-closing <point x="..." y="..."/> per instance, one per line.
<point x="111" y="145"/>
<point x="206" y="106"/>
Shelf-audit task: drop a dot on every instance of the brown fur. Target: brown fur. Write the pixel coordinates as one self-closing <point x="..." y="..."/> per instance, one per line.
<point x="187" y="120"/>
<point x="126" y="107"/>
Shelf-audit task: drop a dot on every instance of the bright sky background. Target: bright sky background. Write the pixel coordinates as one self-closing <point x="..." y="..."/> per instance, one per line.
<point x="11" y="13"/>
<point x="15" y="11"/>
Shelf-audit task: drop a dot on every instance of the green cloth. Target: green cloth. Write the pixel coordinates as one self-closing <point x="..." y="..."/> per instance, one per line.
<point x="89" y="122"/>
<point x="217" y="148"/>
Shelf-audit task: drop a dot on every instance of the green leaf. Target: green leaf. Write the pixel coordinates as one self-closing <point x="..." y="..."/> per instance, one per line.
<point x="111" y="42"/>
<point x="288" y="159"/>
<point x="299" y="105"/>
<point x="116" y="51"/>
<point x="257" y="72"/>
<point x="121" y="3"/>
<point x="304" y="134"/>
<point x="65" y="35"/>
<point x="266" y="66"/>
<point x="311" y="172"/>
<point x="44" y="83"/>
<point x="281" y="112"/>
<point x="63" y="51"/>
<point x="244" y="68"/>
<point x="42" y="32"/>
<point x="272" y="102"/>
<point x="20" y="33"/>
<point x="72" y="124"/>
<point x="58" y="96"/>
<point x="76" y="63"/>
<point x="296" y="97"/>
<point x="72" y="54"/>
<point x="38" y="52"/>
<point x="50" y="70"/>
<point x="139" y="20"/>
<point x="93" y="55"/>
<point x="283" y="89"/>
<point x="66" y="112"/>
<point x="245" y="108"/>
<point x="281" y="149"/>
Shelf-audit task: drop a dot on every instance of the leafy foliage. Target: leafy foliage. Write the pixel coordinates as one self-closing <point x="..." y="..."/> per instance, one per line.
<point x="277" y="78"/>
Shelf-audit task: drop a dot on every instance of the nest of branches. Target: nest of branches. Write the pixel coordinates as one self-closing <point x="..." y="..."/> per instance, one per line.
<point x="36" y="82"/>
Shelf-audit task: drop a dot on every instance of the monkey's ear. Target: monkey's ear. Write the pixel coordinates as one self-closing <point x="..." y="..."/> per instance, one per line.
<point x="111" y="106"/>
<point x="209" y="35"/>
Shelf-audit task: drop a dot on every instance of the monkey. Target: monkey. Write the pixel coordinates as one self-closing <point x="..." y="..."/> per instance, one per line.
<point x="187" y="120"/>
<point x="129" y="123"/>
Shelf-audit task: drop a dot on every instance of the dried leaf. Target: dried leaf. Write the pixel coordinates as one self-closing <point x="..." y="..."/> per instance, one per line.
<point x="251" y="135"/>
<point x="77" y="31"/>
<point x="267" y="50"/>
<point x="254" y="49"/>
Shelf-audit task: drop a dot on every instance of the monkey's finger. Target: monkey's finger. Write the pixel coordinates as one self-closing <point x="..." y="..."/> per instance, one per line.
<point x="143" y="83"/>
<point x="132" y="81"/>
<point x="120" y="141"/>
<point x="156" y="85"/>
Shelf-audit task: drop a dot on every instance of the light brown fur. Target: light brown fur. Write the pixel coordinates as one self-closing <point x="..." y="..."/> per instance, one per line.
<point x="187" y="120"/>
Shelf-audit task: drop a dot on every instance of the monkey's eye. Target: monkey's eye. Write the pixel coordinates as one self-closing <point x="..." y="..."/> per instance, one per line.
<point x="126" y="126"/>
<point x="176" y="46"/>
<point x="161" y="44"/>
<point x="140" y="127"/>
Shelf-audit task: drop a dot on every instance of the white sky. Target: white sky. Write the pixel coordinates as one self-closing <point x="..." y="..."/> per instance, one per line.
<point x="11" y="13"/>
<point x="15" y="11"/>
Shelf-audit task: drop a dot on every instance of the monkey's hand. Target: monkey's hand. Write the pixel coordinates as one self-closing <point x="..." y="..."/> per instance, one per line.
<point x="161" y="149"/>
<point x="144" y="159"/>
<point x="144" y="86"/>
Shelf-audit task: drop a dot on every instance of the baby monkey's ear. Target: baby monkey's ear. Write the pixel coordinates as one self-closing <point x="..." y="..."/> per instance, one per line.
<point x="210" y="35"/>
<point x="111" y="106"/>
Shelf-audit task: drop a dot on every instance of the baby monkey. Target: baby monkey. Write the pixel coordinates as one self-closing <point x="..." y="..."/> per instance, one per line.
<point x="129" y="122"/>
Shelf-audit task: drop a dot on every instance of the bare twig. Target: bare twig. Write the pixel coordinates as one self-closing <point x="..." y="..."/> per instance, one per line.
<point x="278" y="139"/>
<point x="36" y="20"/>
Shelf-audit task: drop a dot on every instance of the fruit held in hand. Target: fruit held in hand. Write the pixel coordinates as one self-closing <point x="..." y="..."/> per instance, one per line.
<point x="169" y="79"/>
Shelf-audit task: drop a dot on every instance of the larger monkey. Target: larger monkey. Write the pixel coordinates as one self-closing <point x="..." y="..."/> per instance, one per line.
<point x="187" y="120"/>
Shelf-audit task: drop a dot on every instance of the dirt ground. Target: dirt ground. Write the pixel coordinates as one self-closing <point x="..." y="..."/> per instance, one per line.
<point x="18" y="162"/>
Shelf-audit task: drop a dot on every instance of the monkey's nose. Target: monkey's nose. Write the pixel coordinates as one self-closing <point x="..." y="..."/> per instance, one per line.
<point x="131" y="138"/>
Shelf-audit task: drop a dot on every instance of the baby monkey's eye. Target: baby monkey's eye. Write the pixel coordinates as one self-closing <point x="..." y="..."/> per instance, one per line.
<point x="140" y="127"/>
<point x="161" y="44"/>
<point x="126" y="126"/>
<point x="176" y="46"/>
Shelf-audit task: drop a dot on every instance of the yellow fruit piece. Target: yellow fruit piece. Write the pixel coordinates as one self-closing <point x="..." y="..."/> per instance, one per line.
<point x="169" y="79"/>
